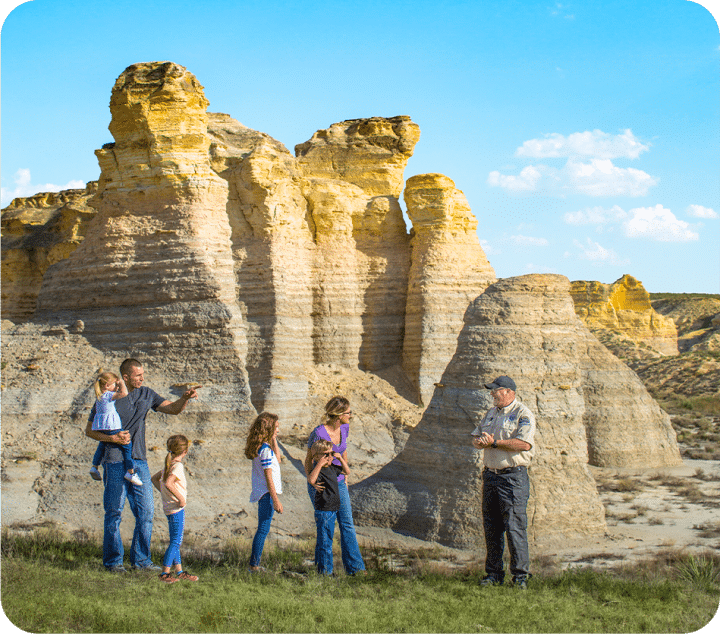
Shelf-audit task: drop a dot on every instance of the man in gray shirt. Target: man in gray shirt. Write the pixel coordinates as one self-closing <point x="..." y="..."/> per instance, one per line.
<point x="507" y="436"/>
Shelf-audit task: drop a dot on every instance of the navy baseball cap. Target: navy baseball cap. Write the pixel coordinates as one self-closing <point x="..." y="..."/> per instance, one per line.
<point x="502" y="381"/>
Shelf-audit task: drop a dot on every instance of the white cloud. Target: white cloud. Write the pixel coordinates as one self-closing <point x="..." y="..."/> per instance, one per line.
<point x="598" y="254"/>
<point x="698" y="211"/>
<point x="659" y="224"/>
<point x="24" y="187"/>
<point x="595" y="216"/>
<point x="595" y="144"/>
<point x="527" y="241"/>
<point x="599" y="177"/>
<point x="488" y="249"/>
<point x="526" y="181"/>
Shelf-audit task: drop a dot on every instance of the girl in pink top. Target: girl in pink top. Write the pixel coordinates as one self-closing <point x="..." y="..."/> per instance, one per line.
<point x="172" y="485"/>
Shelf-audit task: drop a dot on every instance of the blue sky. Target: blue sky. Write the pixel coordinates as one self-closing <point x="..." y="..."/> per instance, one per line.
<point x="585" y="135"/>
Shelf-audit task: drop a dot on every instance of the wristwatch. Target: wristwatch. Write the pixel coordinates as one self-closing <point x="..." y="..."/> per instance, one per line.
<point x="494" y="444"/>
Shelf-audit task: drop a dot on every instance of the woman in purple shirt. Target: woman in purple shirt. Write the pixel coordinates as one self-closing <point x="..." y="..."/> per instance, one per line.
<point x="335" y="429"/>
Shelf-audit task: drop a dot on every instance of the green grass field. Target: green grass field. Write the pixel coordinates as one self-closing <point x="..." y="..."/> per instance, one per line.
<point x="54" y="582"/>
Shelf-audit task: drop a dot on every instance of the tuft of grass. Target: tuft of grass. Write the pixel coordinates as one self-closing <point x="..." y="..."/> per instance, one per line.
<point x="700" y="571"/>
<point x="628" y="485"/>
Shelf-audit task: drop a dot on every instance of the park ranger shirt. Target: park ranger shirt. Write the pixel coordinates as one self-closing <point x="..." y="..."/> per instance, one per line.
<point x="512" y="421"/>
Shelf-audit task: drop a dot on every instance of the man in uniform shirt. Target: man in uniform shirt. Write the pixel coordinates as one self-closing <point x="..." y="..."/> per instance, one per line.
<point x="506" y="434"/>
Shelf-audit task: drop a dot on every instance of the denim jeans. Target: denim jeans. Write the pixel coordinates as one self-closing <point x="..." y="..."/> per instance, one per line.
<point x="325" y="522"/>
<point x="117" y="489"/>
<point x="505" y="497"/>
<point x="351" y="557"/>
<point x="126" y="451"/>
<point x="265" y="515"/>
<point x="176" y="524"/>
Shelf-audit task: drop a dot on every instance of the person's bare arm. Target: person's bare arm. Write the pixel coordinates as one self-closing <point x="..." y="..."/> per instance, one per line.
<point x="325" y="461"/>
<point x="122" y="390"/>
<point x="508" y="444"/>
<point x="342" y="458"/>
<point x="171" y="485"/>
<point x="514" y="444"/>
<point x="155" y="479"/>
<point x="121" y="438"/>
<point x="277" y="505"/>
<point x="308" y="470"/>
<point x="176" y="407"/>
<point x="276" y="448"/>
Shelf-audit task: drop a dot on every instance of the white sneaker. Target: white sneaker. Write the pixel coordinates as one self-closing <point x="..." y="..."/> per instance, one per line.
<point x="133" y="477"/>
<point x="95" y="474"/>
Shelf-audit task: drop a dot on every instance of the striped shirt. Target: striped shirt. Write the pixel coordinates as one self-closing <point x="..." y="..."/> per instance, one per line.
<point x="266" y="459"/>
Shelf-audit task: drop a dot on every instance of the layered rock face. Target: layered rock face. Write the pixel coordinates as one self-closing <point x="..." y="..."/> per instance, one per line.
<point x="354" y="173"/>
<point x="155" y="273"/>
<point x="626" y="428"/>
<point x="624" y="307"/>
<point x="37" y="232"/>
<point x="272" y="247"/>
<point x="433" y="488"/>
<point x="449" y="269"/>
<point x="320" y="248"/>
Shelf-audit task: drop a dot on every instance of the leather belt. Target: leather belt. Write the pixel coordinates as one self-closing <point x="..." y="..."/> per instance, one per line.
<point x="506" y="470"/>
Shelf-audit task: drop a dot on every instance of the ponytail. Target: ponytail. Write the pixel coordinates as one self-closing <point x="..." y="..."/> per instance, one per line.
<point x="175" y="446"/>
<point x="103" y="379"/>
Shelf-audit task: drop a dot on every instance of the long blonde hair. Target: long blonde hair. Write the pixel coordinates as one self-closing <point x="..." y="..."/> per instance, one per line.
<point x="103" y="379"/>
<point x="175" y="446"/>
<point x="261" y="430"/>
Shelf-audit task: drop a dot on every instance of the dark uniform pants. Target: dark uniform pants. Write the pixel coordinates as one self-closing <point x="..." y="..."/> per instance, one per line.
<point x="505" y="497"/>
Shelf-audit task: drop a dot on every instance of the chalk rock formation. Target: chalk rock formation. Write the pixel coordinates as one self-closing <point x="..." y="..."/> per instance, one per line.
<point x="624" y="307"/>
<point x="524" y="327"/>
<point x="272" y="247"/>
<point x="368" y="153"/>
<point x="449" y="269"/>
<point x="354" y="173"/>
<point x="37" y="232"/>
<point x="626" y="428"/>
<point x="155" y="272"/>
<point x="433" y="488"/>
<point x="320" y="248"/>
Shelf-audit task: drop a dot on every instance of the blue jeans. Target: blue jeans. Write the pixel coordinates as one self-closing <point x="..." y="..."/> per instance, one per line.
<point x="325" y="522"/>
<point x="505" y="497"/>
<point x="265" y="515"/>
<point x="351" y="557"/>
<point x="126" y="451"/>
<point x="117" y="488"/>
<point x="176" y="524"/>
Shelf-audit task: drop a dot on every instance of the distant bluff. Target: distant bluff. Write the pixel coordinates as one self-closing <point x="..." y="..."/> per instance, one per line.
<point x="215" y="255"/>
<point x="624" y="308"/>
